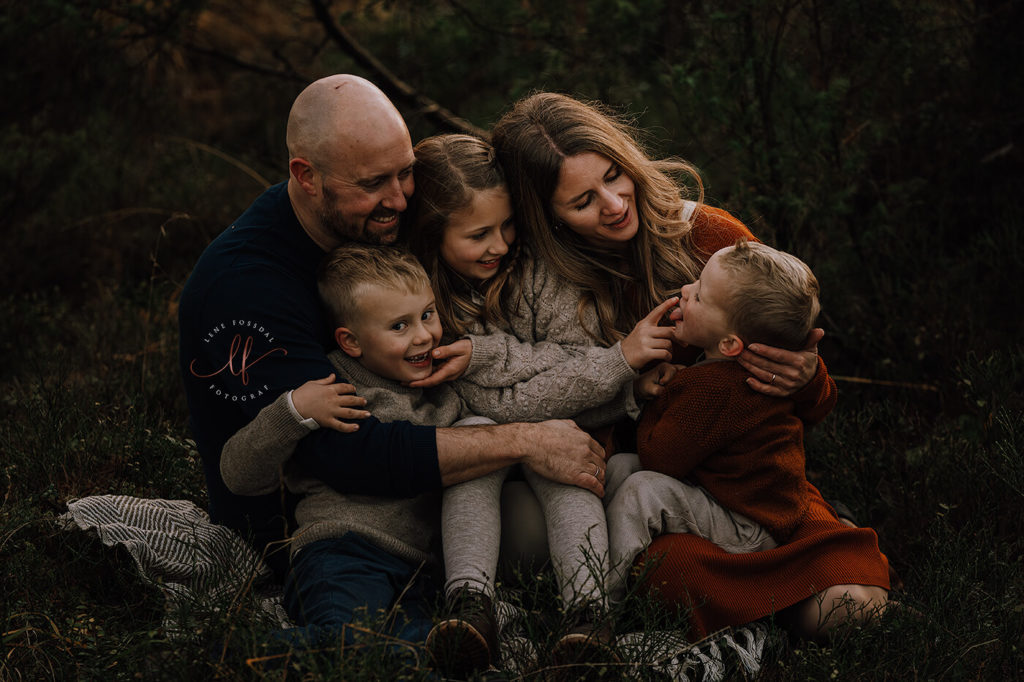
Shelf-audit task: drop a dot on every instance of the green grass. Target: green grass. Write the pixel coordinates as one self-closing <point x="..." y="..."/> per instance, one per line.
<point x="92" y="405"/>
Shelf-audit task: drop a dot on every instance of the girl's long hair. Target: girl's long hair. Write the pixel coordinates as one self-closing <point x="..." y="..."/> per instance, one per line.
<point x="533" y="139"/>
<point x="449" y="170"/>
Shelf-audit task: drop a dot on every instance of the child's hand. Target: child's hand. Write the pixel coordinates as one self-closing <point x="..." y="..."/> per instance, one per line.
<point x="651" y="383"/>
<point x="454" y="359"/>
<point x="329" y="403"/>
<point x="648" y="341"/>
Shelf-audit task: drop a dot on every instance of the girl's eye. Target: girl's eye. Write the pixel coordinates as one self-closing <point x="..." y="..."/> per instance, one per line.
<point x="427" y="314"/>
<point x="614" y="174"/>
<point x="478" y="236"/>
<point x="399" y="326"/>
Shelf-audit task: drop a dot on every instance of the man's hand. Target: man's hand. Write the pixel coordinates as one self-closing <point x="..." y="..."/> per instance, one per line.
<point x="649" y="341"/>
<point x="651" y="383"/>
<point x="454" y="359"/>
<point x="329" y="403"/>
<point x="561" y="451"/>
<point x="779" y="372"/>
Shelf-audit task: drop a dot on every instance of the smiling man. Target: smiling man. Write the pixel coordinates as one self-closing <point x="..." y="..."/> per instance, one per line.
<point x="252" y="327"/>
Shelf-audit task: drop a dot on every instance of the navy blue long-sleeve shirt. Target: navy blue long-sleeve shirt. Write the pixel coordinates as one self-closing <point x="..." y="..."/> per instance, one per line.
<point x="252" y="327"/>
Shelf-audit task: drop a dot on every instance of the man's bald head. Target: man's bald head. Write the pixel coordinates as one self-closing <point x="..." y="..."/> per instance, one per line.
<point x="350" y="162"/>
<point x="334" y="114"/>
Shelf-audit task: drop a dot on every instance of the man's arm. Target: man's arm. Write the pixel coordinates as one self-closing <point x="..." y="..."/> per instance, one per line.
<point x="558" y="450"/>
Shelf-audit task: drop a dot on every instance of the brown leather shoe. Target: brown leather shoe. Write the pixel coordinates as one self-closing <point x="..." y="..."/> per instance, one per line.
<point x="466" y="641"/>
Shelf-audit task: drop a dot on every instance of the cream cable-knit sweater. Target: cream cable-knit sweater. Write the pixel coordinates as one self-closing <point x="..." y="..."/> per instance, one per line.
<point x="548" y="367"/>
<point x="255" y="460"/>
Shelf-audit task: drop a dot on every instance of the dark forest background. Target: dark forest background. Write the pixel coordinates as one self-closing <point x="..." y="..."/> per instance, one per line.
<point x="879" y="140"/>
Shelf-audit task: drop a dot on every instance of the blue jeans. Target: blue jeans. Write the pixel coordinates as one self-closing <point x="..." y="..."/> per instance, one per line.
<point x="343" y="581"/>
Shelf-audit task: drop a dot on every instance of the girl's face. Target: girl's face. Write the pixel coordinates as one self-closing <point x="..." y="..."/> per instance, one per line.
<point x="596" y="200"/>
<point x="478" y="236"/>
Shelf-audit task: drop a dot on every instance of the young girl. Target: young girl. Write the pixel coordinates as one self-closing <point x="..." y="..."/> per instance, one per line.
<point x="488" y="294"/>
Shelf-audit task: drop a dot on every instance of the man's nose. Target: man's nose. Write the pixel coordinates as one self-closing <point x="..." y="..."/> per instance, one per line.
<point x="395" y="198"/>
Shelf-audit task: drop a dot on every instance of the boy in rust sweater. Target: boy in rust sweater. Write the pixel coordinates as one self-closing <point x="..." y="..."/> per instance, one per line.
<point x="722" y="461"/>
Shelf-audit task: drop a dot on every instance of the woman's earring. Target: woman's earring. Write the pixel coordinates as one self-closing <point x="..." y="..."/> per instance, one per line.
<point x="558" y="225"/>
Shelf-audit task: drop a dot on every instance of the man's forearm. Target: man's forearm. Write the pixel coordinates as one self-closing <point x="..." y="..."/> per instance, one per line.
<point x="467" y="452"/>
<point x="557" y="450"/>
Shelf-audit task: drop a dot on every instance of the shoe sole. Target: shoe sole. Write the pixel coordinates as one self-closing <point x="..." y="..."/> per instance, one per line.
<point x="457" y="648"/>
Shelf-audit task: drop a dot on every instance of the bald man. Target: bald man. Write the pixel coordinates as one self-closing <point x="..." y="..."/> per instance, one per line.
<point x="252" y="327"/>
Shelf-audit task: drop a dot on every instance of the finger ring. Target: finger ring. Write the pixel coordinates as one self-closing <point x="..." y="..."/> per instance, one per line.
<point x="597" y="471"/>
<point x="772" y="382"/>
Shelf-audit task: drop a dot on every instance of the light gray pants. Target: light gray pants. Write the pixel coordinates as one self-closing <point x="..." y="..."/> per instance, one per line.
<point x="577" y="535"/>
<point x="641" y="505"/>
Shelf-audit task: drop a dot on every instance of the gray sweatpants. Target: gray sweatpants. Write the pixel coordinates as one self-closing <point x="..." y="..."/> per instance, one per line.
<point x="577" y="535"/>
<point x="641" y="505"/>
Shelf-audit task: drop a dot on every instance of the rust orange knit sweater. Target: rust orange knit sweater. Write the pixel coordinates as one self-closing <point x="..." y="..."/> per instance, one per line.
<point x="743" y="447"/>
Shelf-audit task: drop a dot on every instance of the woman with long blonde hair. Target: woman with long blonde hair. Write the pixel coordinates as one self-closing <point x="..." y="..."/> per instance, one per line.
<point x="623" y="229"/>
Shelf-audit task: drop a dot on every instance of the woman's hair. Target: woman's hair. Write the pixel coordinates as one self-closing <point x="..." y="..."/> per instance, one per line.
<point x="533" y="139"/>
<point x="773" y="297"/>
<point x="449" y="170"/>
<point x="345" y="270"/>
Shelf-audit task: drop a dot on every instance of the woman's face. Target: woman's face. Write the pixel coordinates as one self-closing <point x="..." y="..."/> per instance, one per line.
<point x="596" y="200"/>
<point x="478" y="236"/>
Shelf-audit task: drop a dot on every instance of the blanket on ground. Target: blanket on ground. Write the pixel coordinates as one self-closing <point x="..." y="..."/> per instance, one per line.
<point x="197" y="564"/>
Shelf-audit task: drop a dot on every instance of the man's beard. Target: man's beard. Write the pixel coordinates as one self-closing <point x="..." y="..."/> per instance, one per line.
<point x="333" y="222"/>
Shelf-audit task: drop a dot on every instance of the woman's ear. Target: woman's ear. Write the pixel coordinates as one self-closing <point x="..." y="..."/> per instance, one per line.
<point x="347" y="341"/>
<point x="730" y="346"/>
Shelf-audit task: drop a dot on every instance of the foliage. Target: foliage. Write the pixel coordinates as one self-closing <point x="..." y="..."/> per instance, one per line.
<point x="877" y="139"/>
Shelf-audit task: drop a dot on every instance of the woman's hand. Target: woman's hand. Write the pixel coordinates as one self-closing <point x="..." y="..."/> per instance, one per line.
<point x="454" y="359"/>
<point x="329" y="403"/>
<point x="648" y="341"/>
<point x="779" y="372"/>
<point x="651" y="383"/>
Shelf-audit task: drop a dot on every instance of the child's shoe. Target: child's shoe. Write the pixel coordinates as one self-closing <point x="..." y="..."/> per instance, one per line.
<point x="588" y="644"/>
<point x="466" y="641"/>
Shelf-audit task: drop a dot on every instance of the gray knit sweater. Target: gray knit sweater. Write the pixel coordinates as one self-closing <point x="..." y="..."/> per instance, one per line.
<point x="546" y="366"/>
<point x="255" y="460"/>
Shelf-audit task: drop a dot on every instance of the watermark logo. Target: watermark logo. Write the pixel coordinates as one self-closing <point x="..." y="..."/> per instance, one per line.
<point x="251" y="343"/>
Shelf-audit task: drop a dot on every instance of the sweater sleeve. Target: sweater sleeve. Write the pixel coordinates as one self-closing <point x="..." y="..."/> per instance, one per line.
<point x="814" y="401"/>
<point x="253" y="459"/>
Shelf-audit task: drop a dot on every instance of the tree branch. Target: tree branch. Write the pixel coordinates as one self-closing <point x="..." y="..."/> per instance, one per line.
<point x="392" y="85"/>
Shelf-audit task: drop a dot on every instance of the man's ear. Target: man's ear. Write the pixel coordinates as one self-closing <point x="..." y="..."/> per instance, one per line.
<point x="304" y="174"/>
<point x="348" y="342"/>
<point x="730" y="346"/>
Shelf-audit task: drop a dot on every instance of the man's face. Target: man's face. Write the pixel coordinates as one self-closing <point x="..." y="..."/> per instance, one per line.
<point x="361" y="200"/>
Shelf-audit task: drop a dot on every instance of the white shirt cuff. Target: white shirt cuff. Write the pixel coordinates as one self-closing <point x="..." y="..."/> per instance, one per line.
<point x="308" y="423"/>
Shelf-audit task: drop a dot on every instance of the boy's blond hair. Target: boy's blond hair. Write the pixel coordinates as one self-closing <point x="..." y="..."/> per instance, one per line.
<point x="774" y="298"/>
<point x="346" y="269"/>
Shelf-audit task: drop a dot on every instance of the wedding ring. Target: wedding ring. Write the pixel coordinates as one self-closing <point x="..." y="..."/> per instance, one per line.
<point x="597" y="471"/>
<point x="772" y="382"/>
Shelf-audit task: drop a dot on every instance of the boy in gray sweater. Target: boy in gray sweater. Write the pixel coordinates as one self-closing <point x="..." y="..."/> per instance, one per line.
<point x="354" y="556"/>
